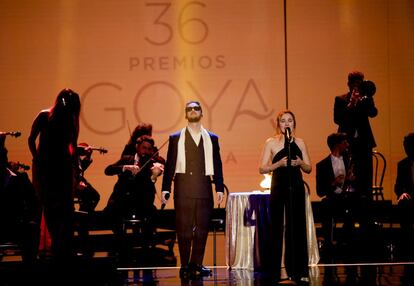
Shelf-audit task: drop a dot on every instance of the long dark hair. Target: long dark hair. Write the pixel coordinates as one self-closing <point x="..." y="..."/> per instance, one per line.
<point x="65" y="112"/>
<point x="140" y="130"/>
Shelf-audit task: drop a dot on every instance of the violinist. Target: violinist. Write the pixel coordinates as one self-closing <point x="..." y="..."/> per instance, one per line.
<point x="19" y="207"/>
<point x="86" y="196"/>
<point x="335" y="183"/>
<point x="134" y="192"/>
<point x="140" y="130"/>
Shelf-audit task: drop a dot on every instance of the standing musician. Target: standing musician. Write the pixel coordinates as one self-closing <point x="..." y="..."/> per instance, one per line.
<point x="352" y="112"/>
<point x="134" y="192"/>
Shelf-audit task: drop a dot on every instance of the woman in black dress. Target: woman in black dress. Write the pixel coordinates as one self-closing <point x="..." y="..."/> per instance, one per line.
<point x="56" y="167"/>
<point x="286" y="156"/>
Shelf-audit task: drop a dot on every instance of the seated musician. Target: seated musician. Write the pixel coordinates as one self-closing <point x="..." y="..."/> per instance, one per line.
<point x="335" y="184"/>
<point x="404" y="189"/>
<point x="87" y="198"/>
<point x="19" y="207"/>
<point x="134" y="192"/>
<point x="87" y="195"/>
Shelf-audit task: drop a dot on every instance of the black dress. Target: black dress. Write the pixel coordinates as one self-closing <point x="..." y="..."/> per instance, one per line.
<point x="288" y="181"/>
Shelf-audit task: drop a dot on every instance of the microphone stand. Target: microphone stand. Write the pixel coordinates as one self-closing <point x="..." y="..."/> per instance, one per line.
<point x="290" y="203"/>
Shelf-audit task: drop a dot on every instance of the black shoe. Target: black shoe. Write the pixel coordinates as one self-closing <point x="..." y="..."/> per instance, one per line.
<point x="197" y="270"/>
<point x="184" y="272"/>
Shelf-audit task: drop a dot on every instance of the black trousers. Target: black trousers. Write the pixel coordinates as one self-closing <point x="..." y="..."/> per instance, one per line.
<point x="292" y="231"/>
<point x="406" y="216"/>
<point x="349" y="208"/>
<point x="193" y="217"/>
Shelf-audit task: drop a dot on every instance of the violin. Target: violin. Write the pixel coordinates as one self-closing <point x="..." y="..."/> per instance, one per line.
<point x="17" y="166"/>
<point x="82" y="147"/>
<point x="13" y="134"/>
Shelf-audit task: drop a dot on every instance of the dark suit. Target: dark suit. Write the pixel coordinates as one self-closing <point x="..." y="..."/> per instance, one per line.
<point x="405" y="181"/>
<point x="20" y="213"/>
<point x="133" y="196"/>
<point x="325" y="177"/>
<point x="348" y="206"/>
<point x="405" y="184"/>
<point x="193" y="198"/>
<point x="354" y="121"/>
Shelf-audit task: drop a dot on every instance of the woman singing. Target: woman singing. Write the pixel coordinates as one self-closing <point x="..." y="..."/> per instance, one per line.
<point x="286" y="156"/>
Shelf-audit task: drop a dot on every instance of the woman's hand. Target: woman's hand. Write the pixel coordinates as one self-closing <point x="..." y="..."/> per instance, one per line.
<point x="297" y="162"/>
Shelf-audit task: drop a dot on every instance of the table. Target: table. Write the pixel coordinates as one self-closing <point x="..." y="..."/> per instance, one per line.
<point x="248" y="231"/>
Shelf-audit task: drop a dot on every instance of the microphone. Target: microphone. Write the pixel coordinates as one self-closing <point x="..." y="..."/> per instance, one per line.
<point x="288" y="134"/>
<point x="167" y="196"/>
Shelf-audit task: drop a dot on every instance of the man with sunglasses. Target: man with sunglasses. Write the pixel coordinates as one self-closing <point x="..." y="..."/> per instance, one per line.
<point x="194" y="163"/>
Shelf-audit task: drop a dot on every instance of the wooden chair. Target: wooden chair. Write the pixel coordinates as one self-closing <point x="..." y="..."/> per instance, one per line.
<point x="379" y="167"/>
<point x="218" y="222"/>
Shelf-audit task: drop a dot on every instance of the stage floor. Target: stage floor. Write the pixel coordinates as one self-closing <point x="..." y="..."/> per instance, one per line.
<point x="105" y="272"/>
<point x="346" y="266"/>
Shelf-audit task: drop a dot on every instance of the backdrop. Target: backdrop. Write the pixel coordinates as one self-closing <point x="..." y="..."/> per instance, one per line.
<point x="140" y="61"/>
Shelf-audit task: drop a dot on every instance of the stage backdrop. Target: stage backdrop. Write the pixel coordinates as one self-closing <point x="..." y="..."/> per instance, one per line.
<point x="140" y="61"/>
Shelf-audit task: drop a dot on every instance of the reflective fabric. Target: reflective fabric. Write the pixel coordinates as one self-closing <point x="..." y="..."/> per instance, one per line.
<point x="248" y="230"/>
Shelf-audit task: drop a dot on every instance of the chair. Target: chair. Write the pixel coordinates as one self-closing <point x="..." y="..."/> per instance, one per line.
<point x="132" y="222"/>
<point x="218" y="222"/>
<point x="138" y="231"/>
<point x="379" y="167"/>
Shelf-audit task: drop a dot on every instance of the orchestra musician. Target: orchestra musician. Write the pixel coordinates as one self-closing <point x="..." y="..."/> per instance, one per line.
<point x="140" y="130"/>
<point x="134" y="192"/>
<point x="335" y="184"/>
<point x="19" y="206"/>
<point x="86" y="196"/>
<point x="352" y="113"/>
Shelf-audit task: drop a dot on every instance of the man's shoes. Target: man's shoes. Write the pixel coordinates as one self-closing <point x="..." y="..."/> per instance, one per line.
<point x="288" y="281"/>
<point x="197" y="270"/>
<point x="184" y="272"/>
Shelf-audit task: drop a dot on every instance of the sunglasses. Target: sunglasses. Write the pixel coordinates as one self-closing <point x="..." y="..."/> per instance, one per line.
<point x="189" y="108"/>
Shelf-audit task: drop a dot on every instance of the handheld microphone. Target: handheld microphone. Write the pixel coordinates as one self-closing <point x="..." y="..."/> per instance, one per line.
<point x="167" y="196"/>
<point x="288" y="134"/>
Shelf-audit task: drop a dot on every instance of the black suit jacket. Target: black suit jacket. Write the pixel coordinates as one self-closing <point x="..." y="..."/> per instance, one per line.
<point x="135" y="192"/>
<point x="404" y="181"/>
<point x="354" y="119"/>
<point x="169" y="170"/>
<point x="325" y="177"/>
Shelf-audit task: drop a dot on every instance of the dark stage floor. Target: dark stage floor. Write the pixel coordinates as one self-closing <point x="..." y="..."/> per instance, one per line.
<point x="104" y="272"/>
<point x="104" y="269"/>
<point x="344" y="264"/>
